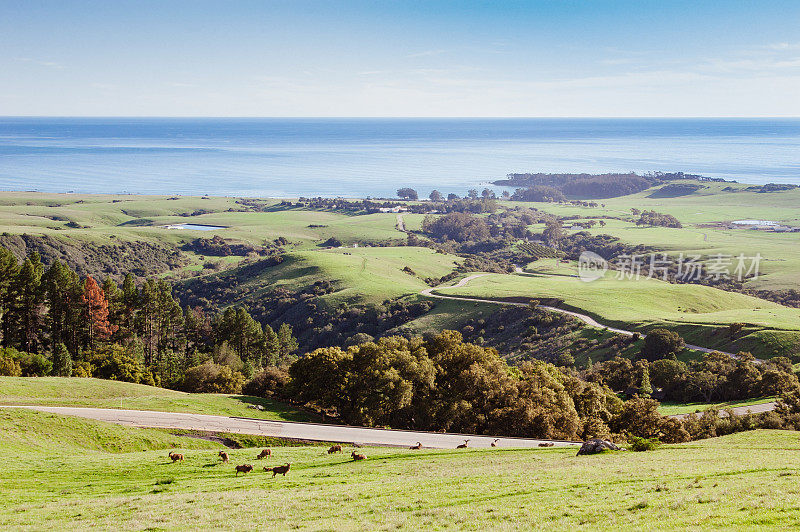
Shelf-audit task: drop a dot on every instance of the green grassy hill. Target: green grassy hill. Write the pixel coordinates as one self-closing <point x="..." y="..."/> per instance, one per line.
<point x="700" y="313"/>
<point x="40" y="434"/>
<point x="60" y="391"/>
<point x="748" y="480"/>
<point x="705" y="215"/>
<point x="362" y="275"/>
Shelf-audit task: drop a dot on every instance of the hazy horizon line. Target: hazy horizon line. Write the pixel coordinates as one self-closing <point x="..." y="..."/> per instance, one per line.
<point x="464" y="117"/>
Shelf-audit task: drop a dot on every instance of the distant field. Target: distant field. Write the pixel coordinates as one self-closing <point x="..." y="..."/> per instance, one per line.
<point x="699" y="212"/>
<point x="142" y="217"/>
<point x="60" y="391"/>
<point x="63" y="473"/>
<point x="644" y="303"/>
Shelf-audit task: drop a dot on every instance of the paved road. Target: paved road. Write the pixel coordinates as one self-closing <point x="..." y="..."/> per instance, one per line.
<point x="741" y="410"/>
<point x="588" y="320"/>
<point x="286" y="429"/>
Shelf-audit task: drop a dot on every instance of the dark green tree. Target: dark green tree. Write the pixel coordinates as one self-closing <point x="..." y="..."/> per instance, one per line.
<point x="9" y="268"/>
<point x="29" y="304"/>
<point x="661" y="343"/>
<point x="62" y="361"/>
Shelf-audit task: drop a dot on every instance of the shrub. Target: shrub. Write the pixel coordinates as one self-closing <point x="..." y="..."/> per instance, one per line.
<point x="82" y="369"/>
<point x="24" y="364"/>
<point x="115" y="363"/>
<point x="34" y="364"/>
<point x="9" y="367"/>
<point x="638" y="444"/>
<point x="212" y="378"/>
<point x="270" y="382"/>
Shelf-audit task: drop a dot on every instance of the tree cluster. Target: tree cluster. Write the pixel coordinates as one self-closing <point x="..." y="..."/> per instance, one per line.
<point x="657" y="219"/>
<point x="133" y="333"/>
<point x="443" y="383"/>
<point x="715" y="377"/>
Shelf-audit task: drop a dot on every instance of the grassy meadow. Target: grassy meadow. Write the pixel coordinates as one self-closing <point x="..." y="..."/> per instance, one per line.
<point x="61" y="391"/>
<point x="700" y="313"/>
<point x="704" y="215"/>
<point x="361" y="275"/>
<point x="106" y="218"/>
<point x="65" y="473"/>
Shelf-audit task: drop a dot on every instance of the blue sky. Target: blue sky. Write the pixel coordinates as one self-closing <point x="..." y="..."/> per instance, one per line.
<point x="381" y="58"/>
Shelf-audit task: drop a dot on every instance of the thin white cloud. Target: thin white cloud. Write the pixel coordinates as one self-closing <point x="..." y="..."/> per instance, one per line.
<point x="783" y="46"/>
<point x="427" y="53"/>
<point x="47" y="64"/>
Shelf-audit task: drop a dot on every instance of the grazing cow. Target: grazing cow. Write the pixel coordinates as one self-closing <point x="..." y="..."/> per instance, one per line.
<point x="357" y="456"/>
<point x="494" y="443"/>
<point x="463" y="445"/>
<point x="224" y="456"/>
<point x="417" y="446"/>
<point x="176" y="457"/>
<point x="335" y="449"/>
<point x="279" y="470"/>
<point x="264" y="454"/>
<point x="245" y="468"/>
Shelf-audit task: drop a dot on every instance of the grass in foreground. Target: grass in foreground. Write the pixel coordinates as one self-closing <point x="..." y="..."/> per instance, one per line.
<point x="748" y="480"/>
<point x="60" y="391"/>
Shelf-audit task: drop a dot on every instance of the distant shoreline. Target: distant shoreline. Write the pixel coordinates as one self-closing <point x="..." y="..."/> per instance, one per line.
<point x="283" y="158"/>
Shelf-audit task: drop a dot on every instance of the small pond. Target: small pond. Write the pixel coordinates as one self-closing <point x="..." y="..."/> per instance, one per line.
<point x="195" y="227"/>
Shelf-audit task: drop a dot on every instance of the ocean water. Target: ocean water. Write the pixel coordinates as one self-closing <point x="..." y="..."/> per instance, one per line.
<point x="374" y="157"/>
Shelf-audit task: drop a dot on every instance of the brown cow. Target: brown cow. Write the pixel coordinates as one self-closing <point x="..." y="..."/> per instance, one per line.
<point x="356" y="456"/>
<point x="245" y="468"/>
<point x="279" y="470"/>
<point x="463" y="445"/>
<point x="224" y="456"/>
<point x="335" y="449"/>
<point x="417" y="446"/>
<point x="176" y="457"/>
<point x="264" y="454"/>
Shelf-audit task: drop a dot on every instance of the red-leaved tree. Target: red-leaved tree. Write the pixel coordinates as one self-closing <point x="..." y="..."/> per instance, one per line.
<point x="96" y="307"/>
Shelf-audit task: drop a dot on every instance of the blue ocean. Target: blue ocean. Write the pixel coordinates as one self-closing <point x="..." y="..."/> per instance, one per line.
<point x="373" y="157"/>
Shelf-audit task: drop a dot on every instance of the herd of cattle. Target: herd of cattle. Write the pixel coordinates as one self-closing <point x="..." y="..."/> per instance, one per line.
<point x="283" y="469"/>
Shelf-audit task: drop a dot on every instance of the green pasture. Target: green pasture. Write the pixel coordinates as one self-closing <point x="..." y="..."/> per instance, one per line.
<point x="700" y="313"/>
<point x="705" y="215"/>
<point x="63" y="473"/>
<point x="61" y="391"/>
<point x="359" y="275"/>
<point x="105" y="218"/>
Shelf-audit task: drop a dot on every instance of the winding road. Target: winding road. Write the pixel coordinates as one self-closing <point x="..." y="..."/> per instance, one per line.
<point x="591" y="322"/>
<point x="289" y="429"/>
<point x="588" y="320"/>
